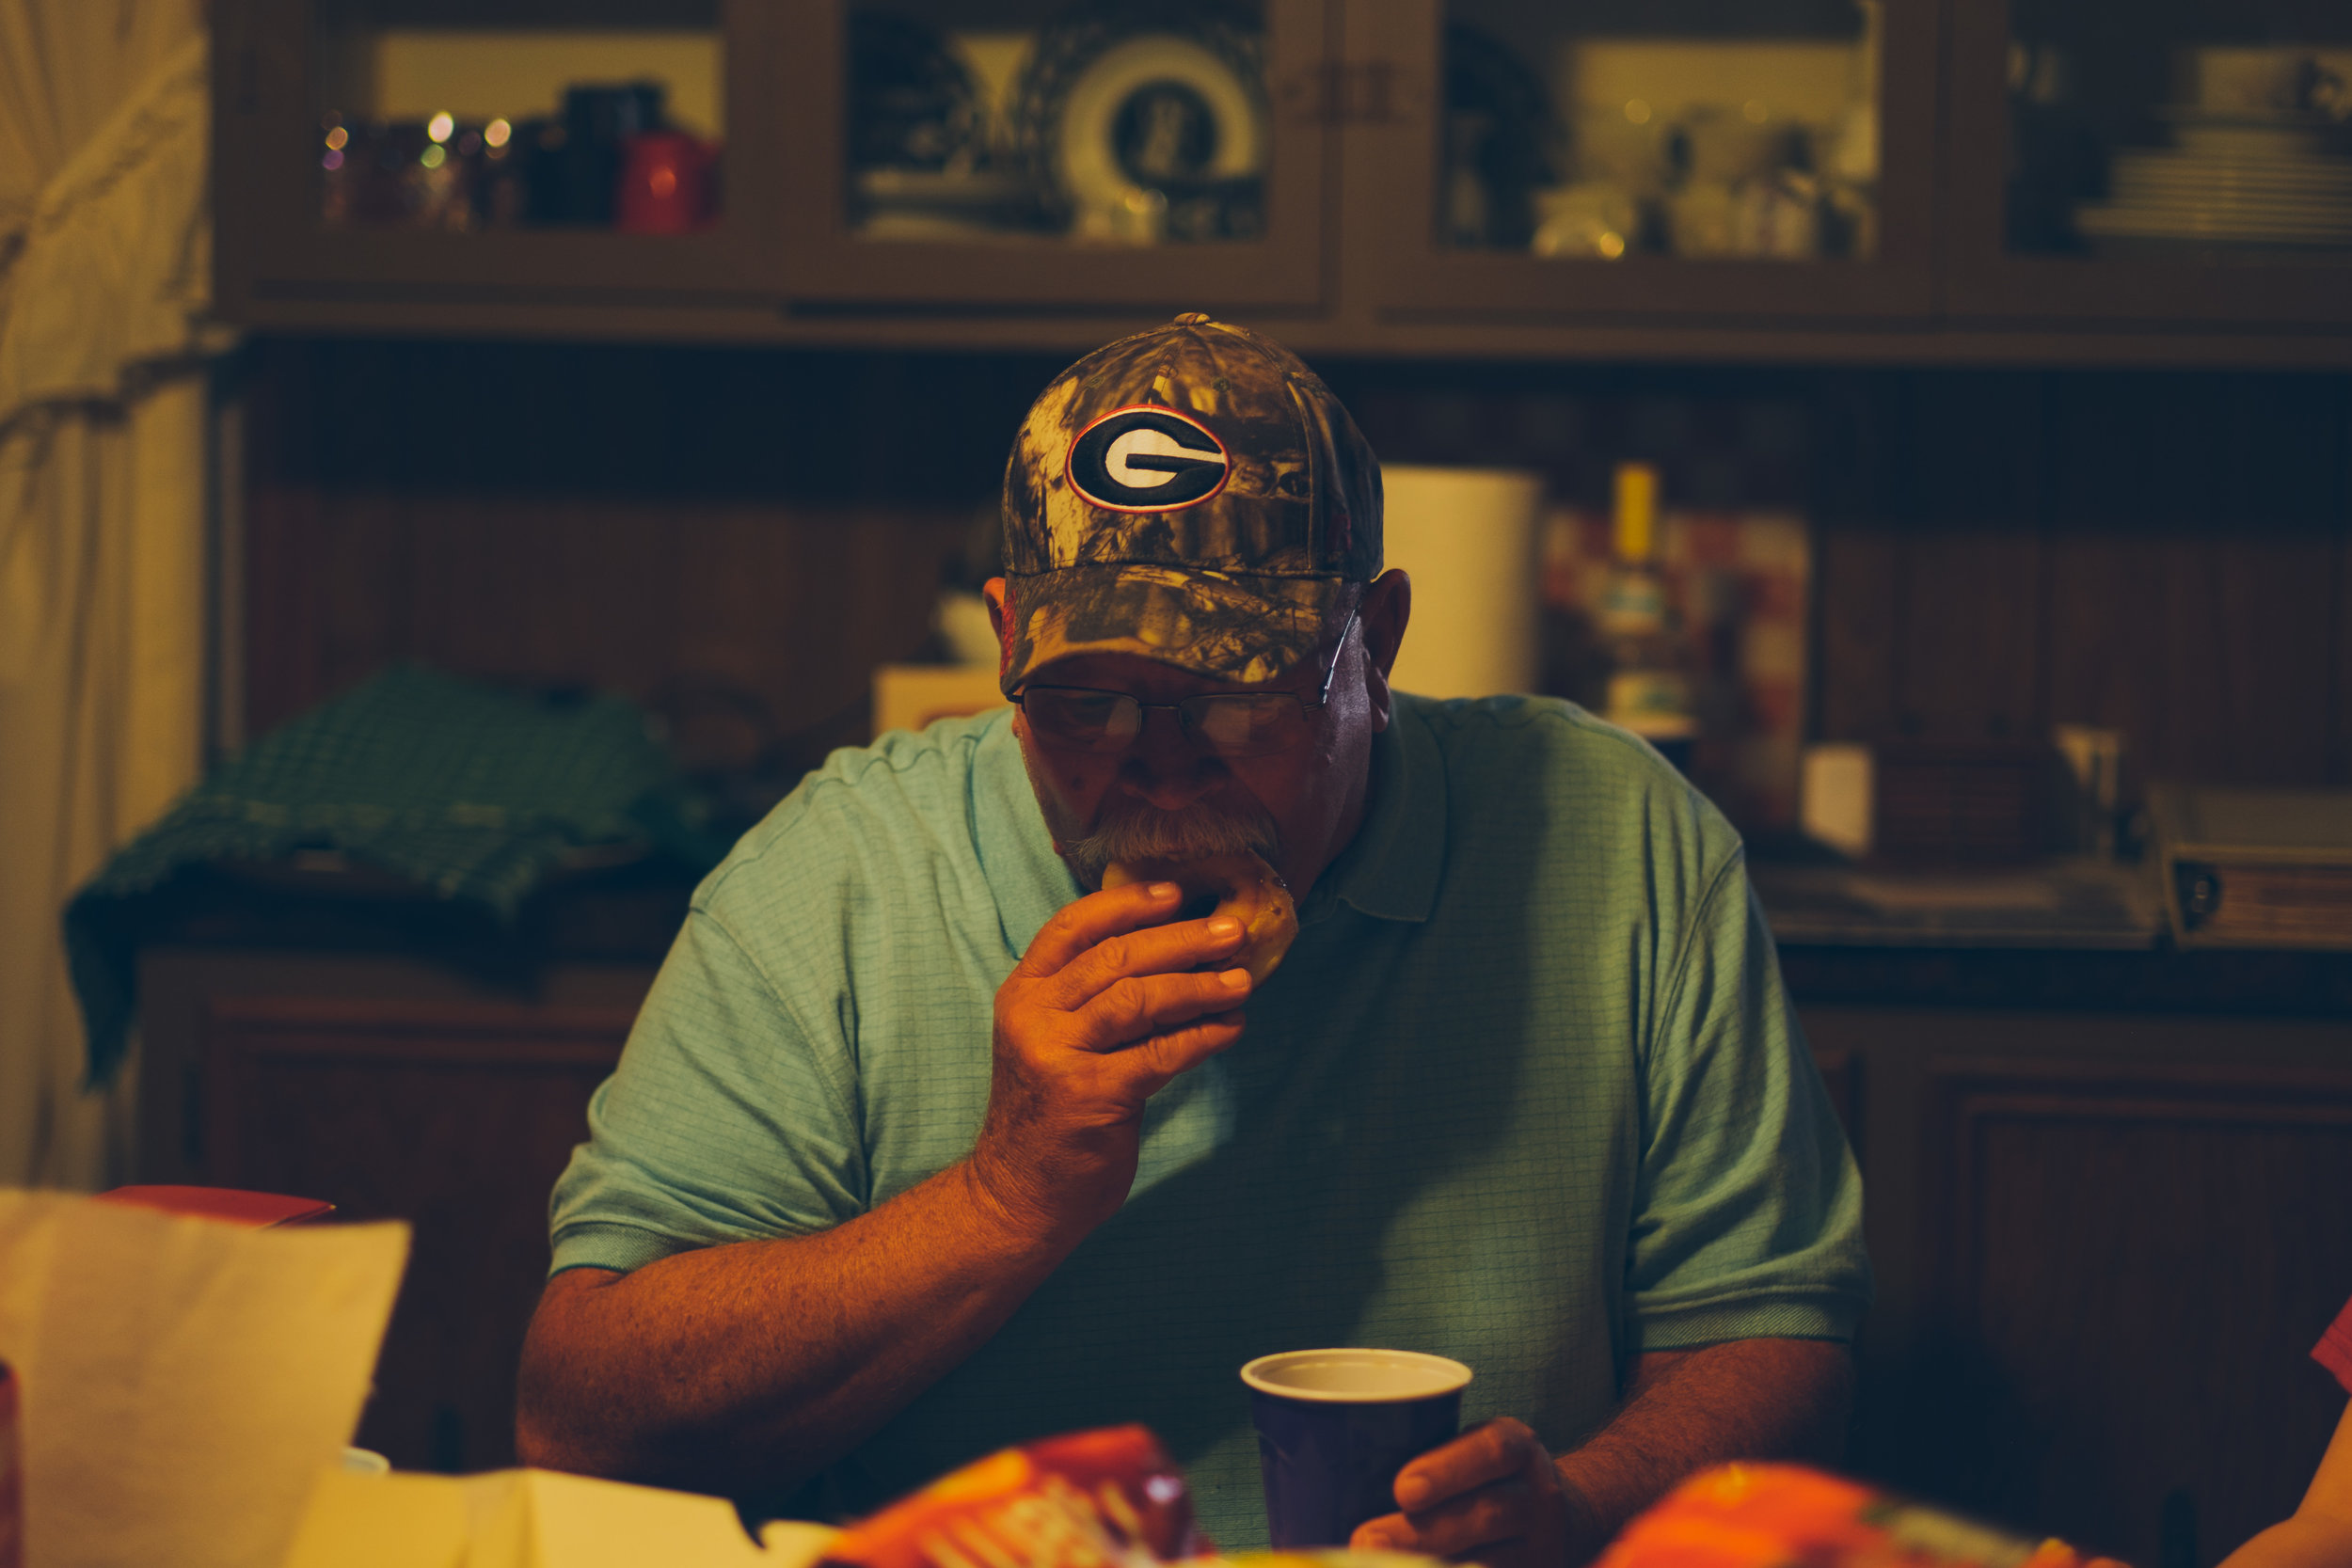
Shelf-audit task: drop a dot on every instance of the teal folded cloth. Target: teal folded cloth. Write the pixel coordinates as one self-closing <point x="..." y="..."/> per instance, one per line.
<point x="471" y="791"/>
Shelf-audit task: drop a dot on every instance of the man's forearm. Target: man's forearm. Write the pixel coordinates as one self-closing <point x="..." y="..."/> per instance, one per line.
<point x="2319" y="1534"/>
<point x="1746" y="1399"/>
<point x="752" y="1366"/>
<point x="2301" y="1541"/>
<point x="748" y="1368"/>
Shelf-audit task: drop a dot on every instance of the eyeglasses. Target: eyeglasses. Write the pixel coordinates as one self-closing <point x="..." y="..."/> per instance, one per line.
<point x="1230" y="723"/>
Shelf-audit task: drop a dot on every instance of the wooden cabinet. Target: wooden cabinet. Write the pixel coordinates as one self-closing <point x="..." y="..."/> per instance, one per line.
<point x="2104" y="1244"/>
<point x="1350" y="250"/>
<point x="2136" y="1257"/>
<point x="1415" y="270"/>
<point x="277" y="69"/>
<point x="2184" y="125"/>
<point x="393" y="1090"/>
<point x="828" y="260"/>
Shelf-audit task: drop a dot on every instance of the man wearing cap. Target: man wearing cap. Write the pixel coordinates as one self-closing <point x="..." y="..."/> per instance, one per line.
<point x="923" y="1146"/>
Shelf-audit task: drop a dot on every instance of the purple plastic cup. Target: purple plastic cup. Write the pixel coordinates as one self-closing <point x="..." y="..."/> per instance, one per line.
<point x="1334" y="1428"/>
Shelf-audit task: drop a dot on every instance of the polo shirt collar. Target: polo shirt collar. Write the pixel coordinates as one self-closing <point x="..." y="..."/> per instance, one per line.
<point x="1391" y="870"/>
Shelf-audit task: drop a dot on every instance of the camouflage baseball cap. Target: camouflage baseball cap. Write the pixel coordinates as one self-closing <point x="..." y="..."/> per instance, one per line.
<point x="1193" y="494"/>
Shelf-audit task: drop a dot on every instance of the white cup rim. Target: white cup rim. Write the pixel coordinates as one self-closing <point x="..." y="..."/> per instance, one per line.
<point x="1446" y="1376"/>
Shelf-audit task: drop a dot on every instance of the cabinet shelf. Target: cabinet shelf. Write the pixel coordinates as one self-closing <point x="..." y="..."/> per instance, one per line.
<point x="1902" y="217"/>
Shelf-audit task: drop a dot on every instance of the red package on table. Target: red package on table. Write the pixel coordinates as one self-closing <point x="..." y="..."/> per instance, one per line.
<point x="1788" y="1517"/>
<point x="1107" y="1499"/>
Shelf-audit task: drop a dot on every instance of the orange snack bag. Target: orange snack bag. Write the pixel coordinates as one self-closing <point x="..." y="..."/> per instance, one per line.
<point x="1788" y="1516"/>
<point x="1106" y="1498"/>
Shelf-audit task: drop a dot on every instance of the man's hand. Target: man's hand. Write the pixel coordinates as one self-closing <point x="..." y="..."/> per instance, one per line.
<point x="1099" y="1015"/>
<point x="1492" y="1495"/>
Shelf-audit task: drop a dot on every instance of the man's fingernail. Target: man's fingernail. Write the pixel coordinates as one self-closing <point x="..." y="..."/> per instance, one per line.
<point x="1236" y="979"/>
<point x="1165" y="890"/>
<point x="1374" y="1541"/>
<point x="1224" y="927"/>
<point x="1412" y="1492"/>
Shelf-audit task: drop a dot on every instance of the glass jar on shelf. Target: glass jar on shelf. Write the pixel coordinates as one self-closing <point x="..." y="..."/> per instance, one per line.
<point x="507" y="122"/>
<point x="1614" y="132"/>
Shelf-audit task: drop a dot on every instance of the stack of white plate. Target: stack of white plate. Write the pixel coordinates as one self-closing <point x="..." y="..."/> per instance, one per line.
<point x="2244" y="179"/>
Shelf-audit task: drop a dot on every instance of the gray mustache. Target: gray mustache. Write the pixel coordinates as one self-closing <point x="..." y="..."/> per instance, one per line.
<point x="1147" y="834"/>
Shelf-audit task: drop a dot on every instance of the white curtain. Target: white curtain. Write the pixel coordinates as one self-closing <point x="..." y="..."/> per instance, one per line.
<point x="105" y="278"/>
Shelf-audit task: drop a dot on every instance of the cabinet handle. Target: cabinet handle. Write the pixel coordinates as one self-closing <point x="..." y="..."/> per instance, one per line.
<point x="1372" y="91"/>
<point x="1341" y="93"/>
<point x="1307" y="97"/>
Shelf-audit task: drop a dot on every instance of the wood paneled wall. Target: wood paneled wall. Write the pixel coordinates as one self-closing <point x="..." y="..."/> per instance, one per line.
<point x="2144" y="1240"/>
<point x="2162" y="552"/>
<point x="2165" y="553"/>
<point x="766" y="526"/>
<point x="456" y="1117"/>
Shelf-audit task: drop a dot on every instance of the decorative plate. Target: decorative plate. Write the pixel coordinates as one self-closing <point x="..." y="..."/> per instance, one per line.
<point x="1120" y="101"/>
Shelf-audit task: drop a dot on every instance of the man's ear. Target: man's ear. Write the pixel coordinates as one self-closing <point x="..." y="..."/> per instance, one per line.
<point x="993" y="590"/>
<point x="1387" y="606"/>
<point x="1000" y="620"/>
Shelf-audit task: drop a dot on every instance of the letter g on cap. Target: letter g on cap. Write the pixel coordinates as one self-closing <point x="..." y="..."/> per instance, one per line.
<point x="1147" y="458"/>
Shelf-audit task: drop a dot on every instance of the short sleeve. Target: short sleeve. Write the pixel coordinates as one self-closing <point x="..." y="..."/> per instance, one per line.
<point x="2334" y="1350"/>
<point x="731" y="1117"/>
<point x="1748" y="1209"/>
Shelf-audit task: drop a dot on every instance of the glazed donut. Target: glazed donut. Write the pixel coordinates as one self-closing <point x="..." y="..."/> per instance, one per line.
<point x="1242" y="885"/>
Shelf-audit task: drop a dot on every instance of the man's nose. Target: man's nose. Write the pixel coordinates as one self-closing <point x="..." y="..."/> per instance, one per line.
<point x="1166" y="766"/>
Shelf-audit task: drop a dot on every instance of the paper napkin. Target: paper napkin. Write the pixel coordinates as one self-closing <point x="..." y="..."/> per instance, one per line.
<point x="184" y="1381"/>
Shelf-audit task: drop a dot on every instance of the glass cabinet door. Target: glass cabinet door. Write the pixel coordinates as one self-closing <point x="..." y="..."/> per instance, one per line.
<point x="1041" y="152"/>
<point x="523" y="144"/>
<point x="2170" y="157"/>
<point x="1668" y="155"/>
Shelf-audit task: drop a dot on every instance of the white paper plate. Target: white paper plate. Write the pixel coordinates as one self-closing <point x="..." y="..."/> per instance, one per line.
<point x="2231" y="224"/>
<point x="2314" y="203"/>
<point x="2255" y="190"/>
<point x="2317" y="171"/>
<point x="2215" y="217"/>
<point x="2194" y="229"/>
<point x="2234" y="142"/>
<point x="2226" y="128"/>
<point x="2132" y="223"/>
<point x="2319" y="209"/>
<point x="2288" y="217"/>
<point x="2197" y="178"/>
<point x="2331" y="209"/>
<point x="2298" y="163"/>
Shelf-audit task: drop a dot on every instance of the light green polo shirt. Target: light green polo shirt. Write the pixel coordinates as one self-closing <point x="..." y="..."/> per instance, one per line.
<point x="1525" y="1093"/>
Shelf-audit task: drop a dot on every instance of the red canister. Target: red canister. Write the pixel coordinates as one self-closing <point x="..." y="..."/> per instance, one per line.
<point x="665" y="186"/>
